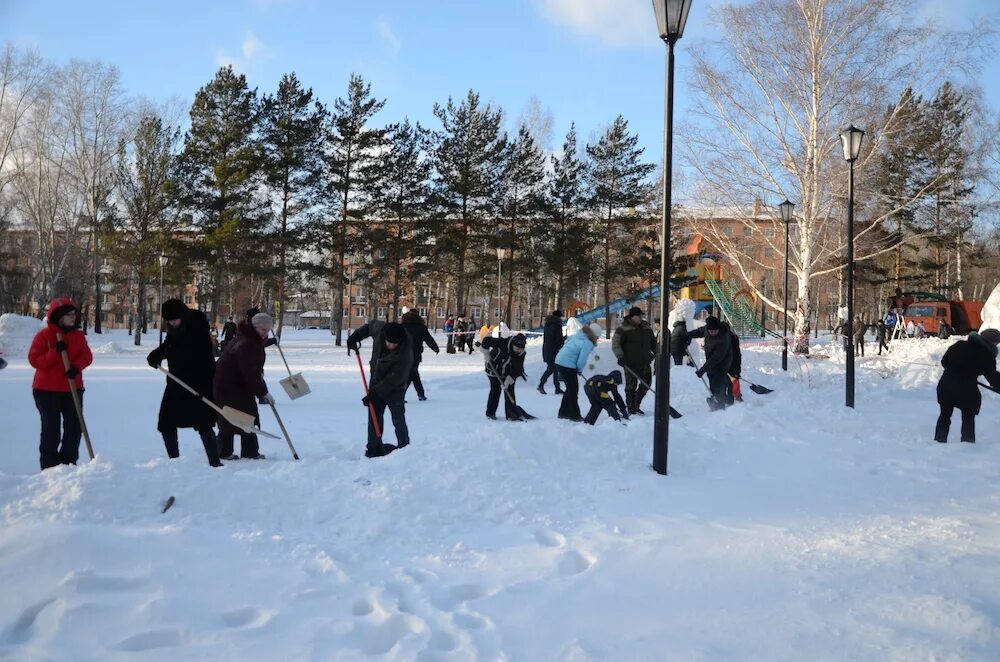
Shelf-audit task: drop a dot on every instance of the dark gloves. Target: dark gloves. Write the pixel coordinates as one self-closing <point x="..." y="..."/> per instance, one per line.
<point x="271" y="341"/>
<point x="365" y="401"/>
<point x="72" y="372"/>
<point x="352" y="347"/>
<point x="478" y="344"/>
<point x="153" y="362"/>
<point x="621" y="362"/>
<point x="437" y="351"/>
<point x="60" y="346"/>
<point x="700" y="372"/>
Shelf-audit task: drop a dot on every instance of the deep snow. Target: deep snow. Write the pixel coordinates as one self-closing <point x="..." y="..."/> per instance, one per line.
<point x="789" y="527"/>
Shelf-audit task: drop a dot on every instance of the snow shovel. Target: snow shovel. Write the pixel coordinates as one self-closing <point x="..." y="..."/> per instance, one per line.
<point x="76" y="398"/>
<point x="756" y="388"/>
<point x="988" y="387"/>
<point x="284" y="431"/>
<point x="518" y="411"/>
<point x="691" y="359"/>
<point x="371" y="407"/>
<point x="673" y="412"/>
<point x="242" y="420"/>
<point x="295" y="385"/>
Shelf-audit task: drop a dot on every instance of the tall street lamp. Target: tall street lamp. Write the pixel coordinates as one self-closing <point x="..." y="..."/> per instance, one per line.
<point x="671" y="16"/>
<point x="159" y="323"/>
<point x="500" y="253"/>
<point x="851" y="138"/>
<point x="786" y="208"/>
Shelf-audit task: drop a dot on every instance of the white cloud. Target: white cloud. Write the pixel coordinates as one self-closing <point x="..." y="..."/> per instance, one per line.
<point x="613" y="22"/>
<point x="251" y="45"/>
<point x="388" y="36"/>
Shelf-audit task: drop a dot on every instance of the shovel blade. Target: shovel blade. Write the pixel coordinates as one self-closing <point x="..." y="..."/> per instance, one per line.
<point x="760" y="390"/>
<point x="295" y="386"/>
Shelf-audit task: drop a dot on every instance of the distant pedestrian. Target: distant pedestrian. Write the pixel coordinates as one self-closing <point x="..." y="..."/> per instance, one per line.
<point x="553" y="340"/>
<point x="419" y="336"/>
<point x="859" y="335"/>
<point x="51" y="384"/>
<point x="881" y="332"/>
<point x="964" y="363"/>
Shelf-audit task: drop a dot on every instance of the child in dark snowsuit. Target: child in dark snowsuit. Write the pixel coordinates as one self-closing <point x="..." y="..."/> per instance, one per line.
<point x="602" y="391"/>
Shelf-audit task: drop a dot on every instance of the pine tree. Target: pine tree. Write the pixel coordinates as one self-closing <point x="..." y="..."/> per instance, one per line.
<point x="617" y="180"/>
<point x="351" y="147"/>
<point x="218" y="175"/>
<point x="469" y="154"/>
<point x="145" y="187"/>
<point x="396" y="194"/>
<point x="521" y="191"/>
<point x="292" y="139"/>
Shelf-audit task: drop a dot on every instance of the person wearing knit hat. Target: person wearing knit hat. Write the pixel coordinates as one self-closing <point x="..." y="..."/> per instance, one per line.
<point x="239" y="383"/>
<point x="634" y="345"/>
<point x="187" y="348"/>
<point x="504" y="365"/>
<point x="721" y="349"/>
<point x="963" y="363"/>
<point x="392" y="359"/>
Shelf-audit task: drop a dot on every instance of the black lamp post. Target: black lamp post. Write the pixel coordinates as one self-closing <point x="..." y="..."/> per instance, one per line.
<point x="159" y="323"/>
<point x="671" y="16"/>
<point x="851" y="138"/>
<point x="786" y="208"/>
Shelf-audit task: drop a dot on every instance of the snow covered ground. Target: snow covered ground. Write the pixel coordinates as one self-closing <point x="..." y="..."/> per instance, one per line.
<point x="789" y="527"/>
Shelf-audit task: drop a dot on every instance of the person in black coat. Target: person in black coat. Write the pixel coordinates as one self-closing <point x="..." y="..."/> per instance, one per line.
<point x="552" y="342"/>
<point x="187" y="349"/>
<point x="419" y="336"/>
<point x="228" y="333"/>
<point x="718" y="360"/>
<point x="390" y="378"/>
<point x="504" y="364"/>
<point x="963" y="363"/>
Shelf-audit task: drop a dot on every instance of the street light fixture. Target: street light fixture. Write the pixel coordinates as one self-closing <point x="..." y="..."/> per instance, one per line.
<point x="786" y="208"/>
<point x="671" y="17"/>
<point x="851" y="138"/>
<point x="159" y="317"/>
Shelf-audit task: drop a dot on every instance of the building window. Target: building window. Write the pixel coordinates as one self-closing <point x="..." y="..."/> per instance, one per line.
<point x="440" y="312"/>
<point x="188" y="299"/>
<point x="361" y="312"/>
<point x="769" y="233"/>
<point x="422" y="311"/>
<point x="381" y="313"/>
<point x="747" y="232"/>
<point x="768" y="252"/>
<point x="475" y="311"/>
<point x="728" y="230"/>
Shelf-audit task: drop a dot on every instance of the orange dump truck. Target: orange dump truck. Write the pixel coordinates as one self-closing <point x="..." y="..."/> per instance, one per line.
<point x="961" y="316"/>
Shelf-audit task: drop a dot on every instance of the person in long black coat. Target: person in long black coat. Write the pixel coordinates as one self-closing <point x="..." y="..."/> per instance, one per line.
<point x="963" y="363"/>
<point x="390" y="370"/>
<point x="504" y="365"/>
<point x="239" y="383"/>
<point x="718" y="360"/>
<point x="187" y="348"/>
<point x="419" y="336"/>
<point x="553" y="340"/>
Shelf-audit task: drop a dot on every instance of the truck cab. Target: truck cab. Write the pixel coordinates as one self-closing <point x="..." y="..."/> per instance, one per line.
<point x="961" y="316"/>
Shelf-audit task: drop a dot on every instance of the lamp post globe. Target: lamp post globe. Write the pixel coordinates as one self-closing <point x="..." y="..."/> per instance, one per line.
<point x="159" y="323"/>
<point x="850" y="138"/>
<point x="671" y="17"/>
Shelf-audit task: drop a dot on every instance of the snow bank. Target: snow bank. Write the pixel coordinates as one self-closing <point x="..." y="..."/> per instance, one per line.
<point x="991" y="310"/>
<point x="16" y="333"/>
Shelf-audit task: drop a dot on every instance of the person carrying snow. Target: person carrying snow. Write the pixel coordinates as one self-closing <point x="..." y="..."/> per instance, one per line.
<point x="602" y="391"/>
<point x="187" y="348"/>
<point x="419" y="336"/>
<point x="571" y="360"/>
<point x="504" y="365"/>
<point x="634" y="345"/>
<point x="718" y="360"/>
<point x="390" y="370"/>
<point x="963" y="363"/>
<point x="551" y="344"/>
<point x="50" y="386"/>
<point x="239" y="383"/>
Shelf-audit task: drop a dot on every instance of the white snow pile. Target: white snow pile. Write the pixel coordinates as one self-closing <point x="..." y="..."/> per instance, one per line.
<point x="16" y="334"/>
<point x="789" y="527"/>
<point x="991" y="310"/>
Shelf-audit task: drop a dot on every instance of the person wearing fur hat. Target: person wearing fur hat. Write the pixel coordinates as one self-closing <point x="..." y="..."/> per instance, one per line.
<point x="963" y="363"/>
<point x="553" y="340"/>
<point x="718" y="360"/>
<point x="239" y="383"/>
<point x="390" y="376"/>
<point x="602" y="391"/>
<point x="187" y="349"/>
<point x="504" y="365"/>
<point x="571" y="360"/>
<point x="419" y="336"/>
<point x="634" y="345"/>
<point x="61" y="426"/>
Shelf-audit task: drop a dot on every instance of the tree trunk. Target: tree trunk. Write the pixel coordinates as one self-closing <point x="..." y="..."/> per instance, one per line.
<point x="958" y="265"/>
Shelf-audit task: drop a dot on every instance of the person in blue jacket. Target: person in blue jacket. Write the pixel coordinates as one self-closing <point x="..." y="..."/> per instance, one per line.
<point x="571" y="360"/>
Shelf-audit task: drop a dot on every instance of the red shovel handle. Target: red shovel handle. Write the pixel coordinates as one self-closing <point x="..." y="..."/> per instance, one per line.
<point x="371" y="407"/>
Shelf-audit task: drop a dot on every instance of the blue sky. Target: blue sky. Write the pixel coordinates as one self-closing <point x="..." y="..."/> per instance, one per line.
<point x="585" y="60"/>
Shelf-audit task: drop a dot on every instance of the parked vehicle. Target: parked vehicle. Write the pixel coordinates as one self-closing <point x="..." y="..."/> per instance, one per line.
<point x="961" y="316"/>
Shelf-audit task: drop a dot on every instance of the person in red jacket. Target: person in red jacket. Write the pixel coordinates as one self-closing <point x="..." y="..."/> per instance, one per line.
<point x="61" y="429"/>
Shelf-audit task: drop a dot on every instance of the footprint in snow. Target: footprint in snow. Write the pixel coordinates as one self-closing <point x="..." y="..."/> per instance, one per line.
<point x="88" y="580"/>
<point x="247" y="618"/>
<point x="469" y="620"/>
<point x="550" y="538"/>
<point x="382" y="635"/>
<point x="151" y="640"/>
<point x="574" y="562"/>
<point x="24" y="627"/>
